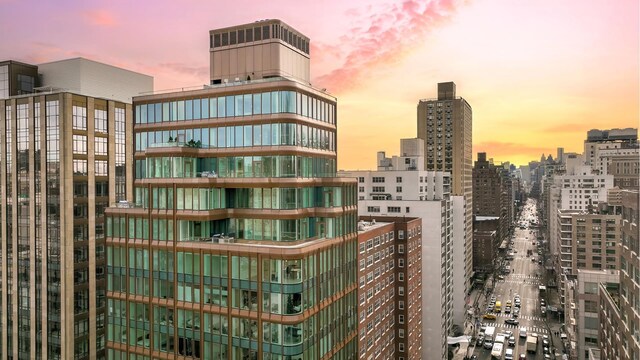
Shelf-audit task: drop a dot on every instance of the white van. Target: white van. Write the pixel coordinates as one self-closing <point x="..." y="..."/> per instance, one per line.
<point x="523" y="332"/>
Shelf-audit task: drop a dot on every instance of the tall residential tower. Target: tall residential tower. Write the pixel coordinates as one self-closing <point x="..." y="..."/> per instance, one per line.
<point x="65" y="156"/>
<point x="240" y="241"/>
<point x="445" y="126"/>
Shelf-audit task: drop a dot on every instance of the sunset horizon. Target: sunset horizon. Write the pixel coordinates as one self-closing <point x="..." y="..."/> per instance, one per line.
<point x="537" y="76"/>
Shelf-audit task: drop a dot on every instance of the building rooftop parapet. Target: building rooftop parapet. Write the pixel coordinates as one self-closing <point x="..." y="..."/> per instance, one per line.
<point x="364" y="226"/>
<point x="230" y="84"/>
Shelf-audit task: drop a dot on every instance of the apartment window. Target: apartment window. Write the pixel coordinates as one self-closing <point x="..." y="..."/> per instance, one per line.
<point x="401" y="234"/>
<point x="401" y="262"/>
<point x="398" y="179"/>
<point x="398" y="188"/>
<point x="400" y="249"/>
<point x="401" y="290"/>
<point x="100" y="117"/>
<point x="407" y="209"/>
<point x="378" y="189"/>
<point x="393" y="209"/>
<point x="100" y="146"/>
<point x="401" y="321"/>
<point x="360" y="179"/>
<point x="361" y="189"/>
<point x="401" y="276"/>
<point x="401" y="333"/>
<point x="79" y="144"/>
<point x="378" y="179"/>
<point x="374" y="209"/>
<point x="79" y="118"/>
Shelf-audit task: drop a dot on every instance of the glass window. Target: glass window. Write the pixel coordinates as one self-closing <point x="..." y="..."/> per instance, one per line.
<point x="248" y="104"/>
<point x="266" y="103"/>
<point x="188" y="109"/>
<point x="230" y="106"/>
<point x="151" y="113"/>
<point x="165" y="112"/>
<point x="275" y="102"/>
<point x="248" y="135"/>
<point x="238" y="136"/>
<point x="266" y="134"/>
<point x="205" y="108"/>
<point x="239" y="102"/>
<point x="213" y="108"/>
<point x="180" y="110"/>
<point x="196" y="109"/>
<point x="257" y="135"/>
<point x="221" y="106"/>
<point x="257" y="107"/>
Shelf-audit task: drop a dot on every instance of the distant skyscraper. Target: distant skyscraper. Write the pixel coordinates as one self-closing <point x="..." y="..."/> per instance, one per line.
<point x="241" y="243"/>
<point x="65" y="157"/>
<point x="445" y="125"/>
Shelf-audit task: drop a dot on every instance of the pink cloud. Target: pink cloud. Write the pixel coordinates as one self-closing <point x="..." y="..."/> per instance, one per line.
<point x="100" y="17"/>
<point x="380" y="37"/>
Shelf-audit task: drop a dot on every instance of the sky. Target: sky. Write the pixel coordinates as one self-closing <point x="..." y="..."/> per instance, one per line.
<point x="538" y="74"/>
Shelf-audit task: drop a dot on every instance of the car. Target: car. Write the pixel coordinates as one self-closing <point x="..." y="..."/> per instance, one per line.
<point x="512" y="321"/>
<point x="508" y="333"/>
<point x="480" y="340"/>
<point x="540" y="262"/>
<point x="545" y="340"/>
<point x="533" y="259"/>
<point x="543" y="302"/>
<point x="489" y="316"/>
<point x="522" y="357"/>
<point x="493" y="298"/>
<point x="488" y="344"/>
<point x="507" y="309"/>
<point x="473" y="357"/>
<point x="508" y="354"/>
<point x="515" y="313"/>
<point x="547" y="357"/>
<point x="512" y="341"/>
<point x="545" y="350"/>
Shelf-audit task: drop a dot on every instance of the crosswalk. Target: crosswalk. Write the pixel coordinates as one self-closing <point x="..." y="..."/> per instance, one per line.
<point x="525" y="276"/>
<point x="527" y="282"/>
<point x="522" y="317"/>
<point x="530" y="329"/>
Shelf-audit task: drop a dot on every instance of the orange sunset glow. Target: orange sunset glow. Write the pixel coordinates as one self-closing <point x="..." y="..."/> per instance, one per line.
<point x="538" y="74"/>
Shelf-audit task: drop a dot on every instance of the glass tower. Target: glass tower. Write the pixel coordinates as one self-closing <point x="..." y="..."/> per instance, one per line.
<point x="240" y="242"/>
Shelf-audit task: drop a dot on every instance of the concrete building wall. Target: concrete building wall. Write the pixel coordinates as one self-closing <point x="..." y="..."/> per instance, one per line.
<point x="436" y="266"/>
<point x="587" y="305"/>
<point x="458" y="243"/>
<point x="94" y="79"/>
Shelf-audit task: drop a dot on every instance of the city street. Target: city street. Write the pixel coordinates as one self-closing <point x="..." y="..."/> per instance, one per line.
<point x="523" y="278"/>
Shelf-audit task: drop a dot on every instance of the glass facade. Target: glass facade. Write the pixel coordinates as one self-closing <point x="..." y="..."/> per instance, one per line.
<point x="257" y="103"/>
<point x="4" y="81"/>
<point x="205" y="265"/>
<point x="39" y="233"/>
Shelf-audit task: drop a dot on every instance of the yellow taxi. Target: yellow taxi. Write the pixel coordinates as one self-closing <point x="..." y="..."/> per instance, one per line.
<point x="489" y="316"/>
